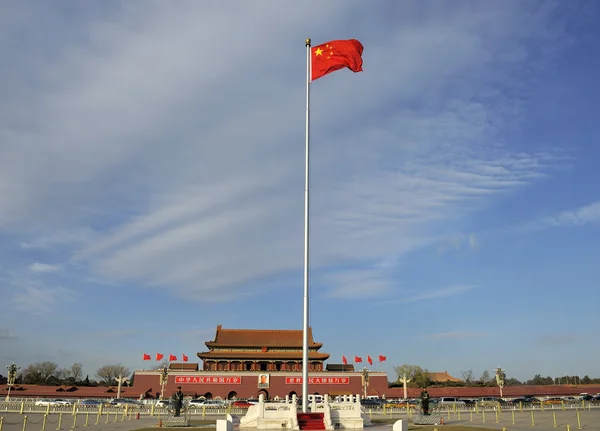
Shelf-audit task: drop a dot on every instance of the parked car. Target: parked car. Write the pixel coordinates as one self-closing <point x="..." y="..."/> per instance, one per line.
<point x="90" y="403"/>
<point x="553" y="400"/>
<point x="451" y="401"/>
<point x="489" y="401"/>
<point x="163" y="403"/>
<point x="54" y="402"/>
<point x="241" y="404"/>
<point x="199" y="402"/>
<point x="522" y="400"/>
<point x="122" y="402"/>
<point x="371" y="403"/>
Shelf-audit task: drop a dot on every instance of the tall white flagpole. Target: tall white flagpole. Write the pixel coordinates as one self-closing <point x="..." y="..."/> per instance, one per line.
<point x="306" y="235"/>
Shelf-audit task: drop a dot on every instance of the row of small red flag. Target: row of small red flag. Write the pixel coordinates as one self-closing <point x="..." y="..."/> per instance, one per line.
<point x="359" y="359"/>
<point x="160" y="356"/>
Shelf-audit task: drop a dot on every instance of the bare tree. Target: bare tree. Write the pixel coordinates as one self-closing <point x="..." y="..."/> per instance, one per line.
<point x="40" y="372"/>
<point x="109" y="373"/>
<point x="467" y="376"/>
<point x="76" y="371"/>
<point x="485" y="378"/>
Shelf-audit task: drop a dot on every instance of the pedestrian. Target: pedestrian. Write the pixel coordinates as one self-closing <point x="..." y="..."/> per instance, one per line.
<point x="178" y="401"/>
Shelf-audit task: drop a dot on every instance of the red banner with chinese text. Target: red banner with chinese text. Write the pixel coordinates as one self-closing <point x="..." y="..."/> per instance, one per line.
<point x="219" y="380"/>
<point x="318" y="380"/>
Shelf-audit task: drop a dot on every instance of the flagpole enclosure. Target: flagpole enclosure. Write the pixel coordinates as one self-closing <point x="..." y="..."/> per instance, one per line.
<point x="306" y="233"/>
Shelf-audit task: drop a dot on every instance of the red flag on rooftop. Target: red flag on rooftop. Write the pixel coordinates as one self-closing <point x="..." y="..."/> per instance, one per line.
<point x="335" y="55"/>
<point x="185" y="358"/>
<point x="382" y="358"/>
<point x="147" y="357"/>
<point x="344" y="360"/>
<point x="172" y="357"/>
<point x="357" y="359"/>
<point x="369" y="360"/>
<point x="159" y="356"/>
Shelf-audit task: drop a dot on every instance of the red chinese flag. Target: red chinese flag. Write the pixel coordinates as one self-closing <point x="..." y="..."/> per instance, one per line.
<point x="172" y="357"/>
<point x="357" y="359"/>
<point x="344" y="360"/>
<point x="382" y="358"/>
<point x="159" y="356"/>
<point x="185" y="358"/>
<point x="369" y="360"/>
<point x="146" y="357"/>
<point x="335" y="55"/>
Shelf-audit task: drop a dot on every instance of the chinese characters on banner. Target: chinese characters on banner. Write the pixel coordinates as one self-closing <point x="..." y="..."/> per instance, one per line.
<point x="318" y="380"/>
<point x="235" y="380"/>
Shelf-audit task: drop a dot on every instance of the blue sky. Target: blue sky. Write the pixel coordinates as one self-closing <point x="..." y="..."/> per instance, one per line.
<point x="152" y="168"/>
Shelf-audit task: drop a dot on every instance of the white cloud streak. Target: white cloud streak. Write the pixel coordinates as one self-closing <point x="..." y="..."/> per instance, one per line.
<point x="588" y="214"/>
<point x="458" y="335"/>
<point x="43" y="267"/>
<point x="175" y="147"/>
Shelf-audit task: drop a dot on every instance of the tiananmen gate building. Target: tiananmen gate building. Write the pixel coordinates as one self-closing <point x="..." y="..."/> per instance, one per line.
<point x="244" y="363"/>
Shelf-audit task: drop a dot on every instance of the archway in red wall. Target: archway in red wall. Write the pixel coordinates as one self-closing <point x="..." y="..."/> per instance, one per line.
<point x="265" y="392"/>
<point x="208" y="396"/>
<point x="232" y="395"/>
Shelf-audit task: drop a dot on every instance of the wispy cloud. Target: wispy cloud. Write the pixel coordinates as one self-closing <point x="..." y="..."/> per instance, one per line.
<point x="576" y="217"/>
<point x="557" y="339"/>
<point x="454" y="335"/>
<point x="44" y="267"/>
<point x="169" y="172"/>
<point x="39" y="300"/>
<point x="441" y="293"/>
<point x="5" y="334"/>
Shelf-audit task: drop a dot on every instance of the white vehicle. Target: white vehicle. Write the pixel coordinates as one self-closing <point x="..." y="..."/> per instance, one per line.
<point x="53" y="403"/>
<point x="163" y="403"/>
<point x="205" y="403"/>
<point x="451" y="400"/>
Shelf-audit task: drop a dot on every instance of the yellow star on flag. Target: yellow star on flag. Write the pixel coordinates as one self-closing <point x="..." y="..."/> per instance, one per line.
<point x="318" y="51"/>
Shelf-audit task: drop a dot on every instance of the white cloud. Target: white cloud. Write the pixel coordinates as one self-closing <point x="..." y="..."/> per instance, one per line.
<point x="428" y="295"/>
<point x="473" y="243"/>
<point x="5" y="335"/>
<point x="454" y="335"/>
<point x="576" y="217"/>
<point x="40" y="300"/>
<point x="174" y="147"/>
<point x="43" y="267"/>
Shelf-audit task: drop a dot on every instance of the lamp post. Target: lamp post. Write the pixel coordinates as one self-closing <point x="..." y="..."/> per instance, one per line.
<point x="500" y="378"/>
<point x="365" y="381"/>
<point x="12" y="375"/>
<point x="164" y="375"/>
<point x="404" y="380"/>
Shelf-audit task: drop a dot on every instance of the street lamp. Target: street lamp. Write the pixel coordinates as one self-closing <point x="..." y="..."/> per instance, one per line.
<point x="12" y="375"/>
<point x="500" y="378"/>
<point x="164" y="375"/>
<point x="365" y="381"/>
